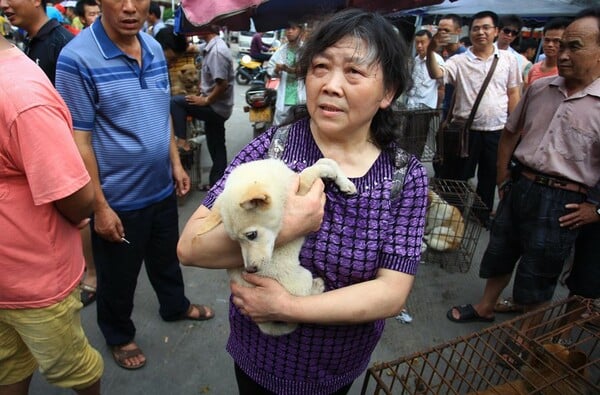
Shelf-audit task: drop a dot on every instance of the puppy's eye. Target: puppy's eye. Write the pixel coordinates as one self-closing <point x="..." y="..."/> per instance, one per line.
<point x="251" y="235"/>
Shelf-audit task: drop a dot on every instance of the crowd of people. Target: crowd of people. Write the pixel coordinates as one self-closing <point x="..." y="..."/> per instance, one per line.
<point x="80" y="217"/>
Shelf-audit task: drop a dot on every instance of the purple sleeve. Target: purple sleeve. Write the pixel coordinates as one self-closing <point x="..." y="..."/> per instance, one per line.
<point x="402" y="248"/>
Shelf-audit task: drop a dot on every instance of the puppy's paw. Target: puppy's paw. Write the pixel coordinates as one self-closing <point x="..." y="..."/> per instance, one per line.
<point x="318" y="286"/>
<point x="423" y="247"/>
<point x="346" y="185"/>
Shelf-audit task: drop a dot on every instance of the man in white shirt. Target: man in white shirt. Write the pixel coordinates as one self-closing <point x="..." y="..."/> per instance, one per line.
<point x="467" y="73"/>
<point x="425" y="90"/>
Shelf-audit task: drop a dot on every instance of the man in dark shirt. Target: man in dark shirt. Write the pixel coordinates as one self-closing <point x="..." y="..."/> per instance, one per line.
<point x="45" y="37"/>
<point x="257" y="47"/>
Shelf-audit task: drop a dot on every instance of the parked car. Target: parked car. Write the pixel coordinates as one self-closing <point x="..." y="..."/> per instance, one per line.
<point x="245" y="38"/>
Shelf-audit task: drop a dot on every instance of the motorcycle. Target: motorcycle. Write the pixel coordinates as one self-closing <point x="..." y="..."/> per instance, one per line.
<point x="249" y="71"/>
<point x="261" y="98"/>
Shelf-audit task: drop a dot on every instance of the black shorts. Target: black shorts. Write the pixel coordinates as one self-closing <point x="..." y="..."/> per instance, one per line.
<point x="526" y="228"/>
<point x="584" y="278"/>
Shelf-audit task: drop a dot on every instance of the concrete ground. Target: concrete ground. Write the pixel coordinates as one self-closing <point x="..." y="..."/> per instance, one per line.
<point x="189" y="358"/>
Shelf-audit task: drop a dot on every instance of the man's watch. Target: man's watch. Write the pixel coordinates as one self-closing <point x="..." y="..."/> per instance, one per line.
<point x="598" y="209"/>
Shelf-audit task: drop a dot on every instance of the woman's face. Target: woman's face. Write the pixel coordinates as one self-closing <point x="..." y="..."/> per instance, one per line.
<point x="343" y="90"/>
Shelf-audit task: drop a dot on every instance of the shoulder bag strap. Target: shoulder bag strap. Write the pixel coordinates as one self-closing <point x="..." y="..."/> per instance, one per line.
<point x="464" y="138"/>
<point x="278" y="142"/>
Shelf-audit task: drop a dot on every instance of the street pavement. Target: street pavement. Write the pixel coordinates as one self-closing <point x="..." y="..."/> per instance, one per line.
<point x="189" y="358"/>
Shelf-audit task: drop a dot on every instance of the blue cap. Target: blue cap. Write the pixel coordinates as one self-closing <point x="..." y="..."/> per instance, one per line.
<point x="53" y="13"/>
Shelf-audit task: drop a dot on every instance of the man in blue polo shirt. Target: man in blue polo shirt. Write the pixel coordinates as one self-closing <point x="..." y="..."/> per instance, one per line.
<point x="115" y="82"/>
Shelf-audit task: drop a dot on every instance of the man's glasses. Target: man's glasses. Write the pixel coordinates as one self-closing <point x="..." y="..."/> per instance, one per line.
<point x="508" y="31"/>
<point x="485" y="28"/>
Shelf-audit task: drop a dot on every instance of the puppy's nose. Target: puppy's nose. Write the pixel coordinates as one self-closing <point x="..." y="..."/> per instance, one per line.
<point x="251" y="269"/>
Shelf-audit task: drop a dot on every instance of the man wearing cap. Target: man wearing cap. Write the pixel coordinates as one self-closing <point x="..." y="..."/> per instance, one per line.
<point x="46" y="36"/>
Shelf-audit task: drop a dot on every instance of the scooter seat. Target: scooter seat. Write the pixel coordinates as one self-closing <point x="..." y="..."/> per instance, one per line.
<point x="249" y="63"/>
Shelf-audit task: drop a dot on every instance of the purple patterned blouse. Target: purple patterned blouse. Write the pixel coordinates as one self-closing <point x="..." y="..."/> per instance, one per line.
<point x="360" y="234"/>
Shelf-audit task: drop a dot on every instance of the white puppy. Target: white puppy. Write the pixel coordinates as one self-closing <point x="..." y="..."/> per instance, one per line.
<point x="251" y="210"/>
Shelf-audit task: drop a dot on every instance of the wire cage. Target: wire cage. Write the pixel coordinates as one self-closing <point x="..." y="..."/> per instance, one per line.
<point x="420" y="125"/>
<point x="190" y="158"/>
<point x="453" y="226"/>
<point x="560" y="355"/>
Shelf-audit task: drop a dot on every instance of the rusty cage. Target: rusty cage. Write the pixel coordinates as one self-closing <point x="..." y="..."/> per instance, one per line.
<point x="420" y="125"/>
<point x="473" y="364"/>
<point x="460" y="195"/>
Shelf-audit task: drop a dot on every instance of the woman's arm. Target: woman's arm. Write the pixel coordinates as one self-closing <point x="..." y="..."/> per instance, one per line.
<point x="379" y="298"/>
<point x="213" y="249"/>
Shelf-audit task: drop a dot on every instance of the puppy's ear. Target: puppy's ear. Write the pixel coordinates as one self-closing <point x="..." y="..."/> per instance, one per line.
<point x="255" y="198"/>
<point x="211" y="221"/>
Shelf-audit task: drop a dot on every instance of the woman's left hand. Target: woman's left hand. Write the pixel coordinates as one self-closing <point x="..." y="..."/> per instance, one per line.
<point x="262" y="303"/>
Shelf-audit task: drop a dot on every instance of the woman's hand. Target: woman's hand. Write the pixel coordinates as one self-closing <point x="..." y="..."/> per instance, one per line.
<point x="265" y="302"/>
<point x="302" y="214"/>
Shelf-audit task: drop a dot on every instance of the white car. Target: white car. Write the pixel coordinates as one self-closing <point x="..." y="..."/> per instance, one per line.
<point x="245" y="38"/>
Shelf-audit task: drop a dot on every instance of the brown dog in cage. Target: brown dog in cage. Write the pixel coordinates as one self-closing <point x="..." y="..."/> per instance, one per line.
<point x="543" y="372"/>
<point x="444" y="226"/>
<point x="185" y="81"/>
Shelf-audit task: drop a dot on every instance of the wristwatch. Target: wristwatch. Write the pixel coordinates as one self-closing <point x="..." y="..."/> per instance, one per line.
<point x="598" y="209"/>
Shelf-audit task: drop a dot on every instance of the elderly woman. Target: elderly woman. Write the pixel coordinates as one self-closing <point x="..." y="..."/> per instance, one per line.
<point x="366" y="247"/>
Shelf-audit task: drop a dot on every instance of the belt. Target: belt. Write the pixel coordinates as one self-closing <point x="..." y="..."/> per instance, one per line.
<point x="554" y="182"/>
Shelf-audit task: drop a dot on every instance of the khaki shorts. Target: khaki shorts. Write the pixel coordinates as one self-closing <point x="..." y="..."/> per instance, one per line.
<point x="51" y="338"/>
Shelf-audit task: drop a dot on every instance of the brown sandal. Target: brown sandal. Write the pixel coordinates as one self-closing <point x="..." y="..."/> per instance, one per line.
<point x="120" y="355"/>
<point x="205" y="313"/>
<point x="507" y="305"/>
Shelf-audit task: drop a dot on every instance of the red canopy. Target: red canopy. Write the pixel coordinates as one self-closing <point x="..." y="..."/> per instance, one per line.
<point x="274" y="14"/>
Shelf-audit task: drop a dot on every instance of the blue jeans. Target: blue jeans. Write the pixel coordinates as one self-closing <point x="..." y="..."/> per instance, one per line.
<point x="214" y="125"/>
<point x="153" y="232"/>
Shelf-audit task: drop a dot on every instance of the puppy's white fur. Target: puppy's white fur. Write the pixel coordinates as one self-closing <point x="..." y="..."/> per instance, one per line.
<point x="251" y="210"/>
<point x="444" y="227"/>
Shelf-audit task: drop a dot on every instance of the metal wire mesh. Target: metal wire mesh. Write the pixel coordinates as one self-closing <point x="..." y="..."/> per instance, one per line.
<point x="460" y="195"/>
<point x="558" y="355"/>
<point x="420" y="126"/>
<point x="190" y="159"/>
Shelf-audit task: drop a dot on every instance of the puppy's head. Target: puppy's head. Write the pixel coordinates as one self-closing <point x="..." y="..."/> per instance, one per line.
<point x="543" y="357"/>
<point x="188" y="74"/>
<point x="255" y="223"/>
<point x="433" y="198"/>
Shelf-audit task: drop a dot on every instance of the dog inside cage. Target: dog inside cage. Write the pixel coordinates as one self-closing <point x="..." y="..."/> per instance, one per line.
<point x="560" y="355"/>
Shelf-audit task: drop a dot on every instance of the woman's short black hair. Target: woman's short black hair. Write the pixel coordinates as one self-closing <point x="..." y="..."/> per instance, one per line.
<point x="384" y="46"/>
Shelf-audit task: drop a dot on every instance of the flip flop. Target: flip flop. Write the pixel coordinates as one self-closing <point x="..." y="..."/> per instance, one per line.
<point x="507" y="305"/>
<point x="88" y="294"/>
<point x="205" y="313"/>
<point x="120" y="355"/>
<point x="467" y="314"/>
